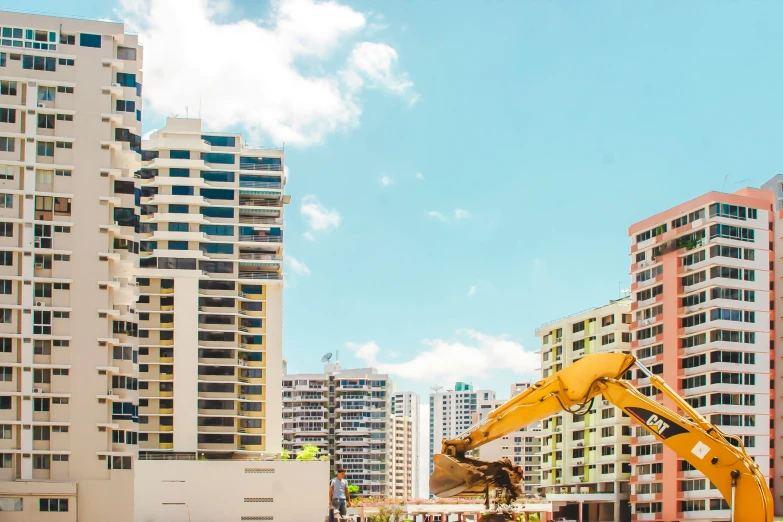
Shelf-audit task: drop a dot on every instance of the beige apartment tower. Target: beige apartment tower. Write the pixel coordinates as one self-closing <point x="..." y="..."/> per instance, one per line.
<point x="70" y="110"/>
<point x="585" y="459"/>
<point x="210" y="295"/>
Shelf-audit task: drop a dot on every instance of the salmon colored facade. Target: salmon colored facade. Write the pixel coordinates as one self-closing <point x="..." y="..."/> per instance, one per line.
<point x="703" y="318"/>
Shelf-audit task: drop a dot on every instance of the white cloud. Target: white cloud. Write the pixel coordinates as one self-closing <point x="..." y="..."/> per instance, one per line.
<point x="446" y="361"/>
<point x="437" y="215"/>
<point x="374" y="65"/>
<point x="386" y="181"/>
<point x="318" y="217"/>
<point x="472" y="290"/>
<point x="420" y="176"/>
<point x="286" y="78"/>
<point x="148" y="134"/>
<point x="297" y="266"/>
<point x="460" y="214"/>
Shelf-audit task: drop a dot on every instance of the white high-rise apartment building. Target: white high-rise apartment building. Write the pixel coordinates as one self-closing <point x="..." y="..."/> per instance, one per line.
<point x="585" y="459"/>
<point x="346" y="413"/>
<point x="522" y="447"/>
<point x="451" y="413"/>
<point x="405" y="410"/>
<point x="70" y="111"/>
<point x="210" y="294"/>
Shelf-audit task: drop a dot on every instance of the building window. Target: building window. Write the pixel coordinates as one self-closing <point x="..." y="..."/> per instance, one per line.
<point x="9" y="503"/>
<point x="126" y="79"/>
<point x="6" y="144"/>
<point x="46" y="121"/>
<point x="126" y="105"/>
<point x="90" y="40"/>
<point x="68" y="39"/>
<point x="42" y="433"/>
<point x="7" y="172"/>
<point x="6" y="315"/>
<point x="42" y="461"/>
<point x="7" y="115"/>
<point x="65" y="90"/>
<point x="6" y="201"/>
<point x="126" y="53"/>
<point x="39" y="63"/>
<point x="45" y="148"/>
<point x="66" y="61"/>
<point x="8" y="88"/>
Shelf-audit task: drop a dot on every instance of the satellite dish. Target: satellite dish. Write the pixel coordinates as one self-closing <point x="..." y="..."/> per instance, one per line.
<point x="327" y="357"/>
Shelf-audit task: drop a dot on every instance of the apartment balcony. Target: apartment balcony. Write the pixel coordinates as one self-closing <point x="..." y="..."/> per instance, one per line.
<point x="259" y="275"/>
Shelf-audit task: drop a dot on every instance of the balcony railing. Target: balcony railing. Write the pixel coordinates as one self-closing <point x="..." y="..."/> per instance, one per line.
<point x="261" y="257"/>
<point x="262" y="239"/>
<point x="256" y="166"/>
<point x="260" y="220"/>
<point x="260" y="184"/>
<point x="259" y="275"/>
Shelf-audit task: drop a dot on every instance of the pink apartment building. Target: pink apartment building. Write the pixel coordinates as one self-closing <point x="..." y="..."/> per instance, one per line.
<point x="703" y="301"/>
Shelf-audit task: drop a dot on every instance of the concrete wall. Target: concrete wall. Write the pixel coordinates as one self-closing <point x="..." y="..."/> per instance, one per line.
<point x="217" y="491"/>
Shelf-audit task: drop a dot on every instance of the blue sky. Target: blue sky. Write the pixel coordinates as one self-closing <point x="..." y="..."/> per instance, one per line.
<point x="484" y="163"/>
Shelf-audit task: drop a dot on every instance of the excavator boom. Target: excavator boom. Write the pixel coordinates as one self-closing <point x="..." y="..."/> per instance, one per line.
<point x="695" y="440"/>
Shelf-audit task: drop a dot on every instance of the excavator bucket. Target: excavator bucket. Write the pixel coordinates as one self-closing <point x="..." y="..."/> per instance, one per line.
<point x="467" y="477"/>
<point x="452" y="478"/>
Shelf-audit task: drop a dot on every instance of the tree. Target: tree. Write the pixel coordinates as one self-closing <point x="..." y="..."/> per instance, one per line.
<point x="308" y="452"/>
<point x="286" y="455"/>
<point x="353" y="489"/>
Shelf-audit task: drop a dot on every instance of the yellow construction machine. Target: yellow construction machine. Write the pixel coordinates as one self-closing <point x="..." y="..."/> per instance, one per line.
<point x="721" y="457"/>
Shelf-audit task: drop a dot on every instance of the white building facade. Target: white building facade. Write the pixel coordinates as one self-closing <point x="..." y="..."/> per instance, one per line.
<point x="451" y="413"/>
<point x="405" y="411"/>
<point x="346" y="413"/>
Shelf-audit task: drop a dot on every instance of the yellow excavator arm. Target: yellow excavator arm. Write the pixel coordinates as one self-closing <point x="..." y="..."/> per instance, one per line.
<point x="695" y="440"/>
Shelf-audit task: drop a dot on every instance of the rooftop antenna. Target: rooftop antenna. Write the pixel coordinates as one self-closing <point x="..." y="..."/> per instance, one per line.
<point x="724" y="183"/>
<point x="436" y="389"/>
<point x="326" y="358"/>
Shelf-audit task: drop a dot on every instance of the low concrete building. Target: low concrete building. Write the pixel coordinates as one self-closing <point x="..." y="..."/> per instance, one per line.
<point x="213" y="490"/>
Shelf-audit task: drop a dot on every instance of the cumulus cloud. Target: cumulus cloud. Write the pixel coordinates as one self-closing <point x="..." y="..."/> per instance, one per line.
<point x="460" y="214"/>
<point x="437" y="215"/>
<point x="375" y="65"/>
<point x="475" y="354"/>
<point x="317" y="216"/>
<point x="294" y="77"/>
<point x="298" y="267"/>
<point x="386" y="181"/>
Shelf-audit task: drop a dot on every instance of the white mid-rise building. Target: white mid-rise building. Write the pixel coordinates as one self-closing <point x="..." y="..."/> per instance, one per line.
<point x="210" y="294"/>
<point x="346" y="413"/>
<point x="451" y="413"/>
<point x="405" y="411"/>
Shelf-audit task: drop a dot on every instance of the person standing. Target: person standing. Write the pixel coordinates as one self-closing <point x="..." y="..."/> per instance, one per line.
<point x="338" y="493"/>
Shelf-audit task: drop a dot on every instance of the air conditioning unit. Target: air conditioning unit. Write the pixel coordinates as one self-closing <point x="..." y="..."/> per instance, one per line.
<point x="41" y="106"/>
<point x="558" y="339"/>
<point x="116" y="85"/>
<point x="39" y="265"/>
<point x="579" y="443"/>
<point x="557" y="429"/>
<point x="606" y="403"/>
<point x="39" y="303"/>
<point x="37" y="390"/>
<point x="579" y="462"/>
<point x="558" y="481"/>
